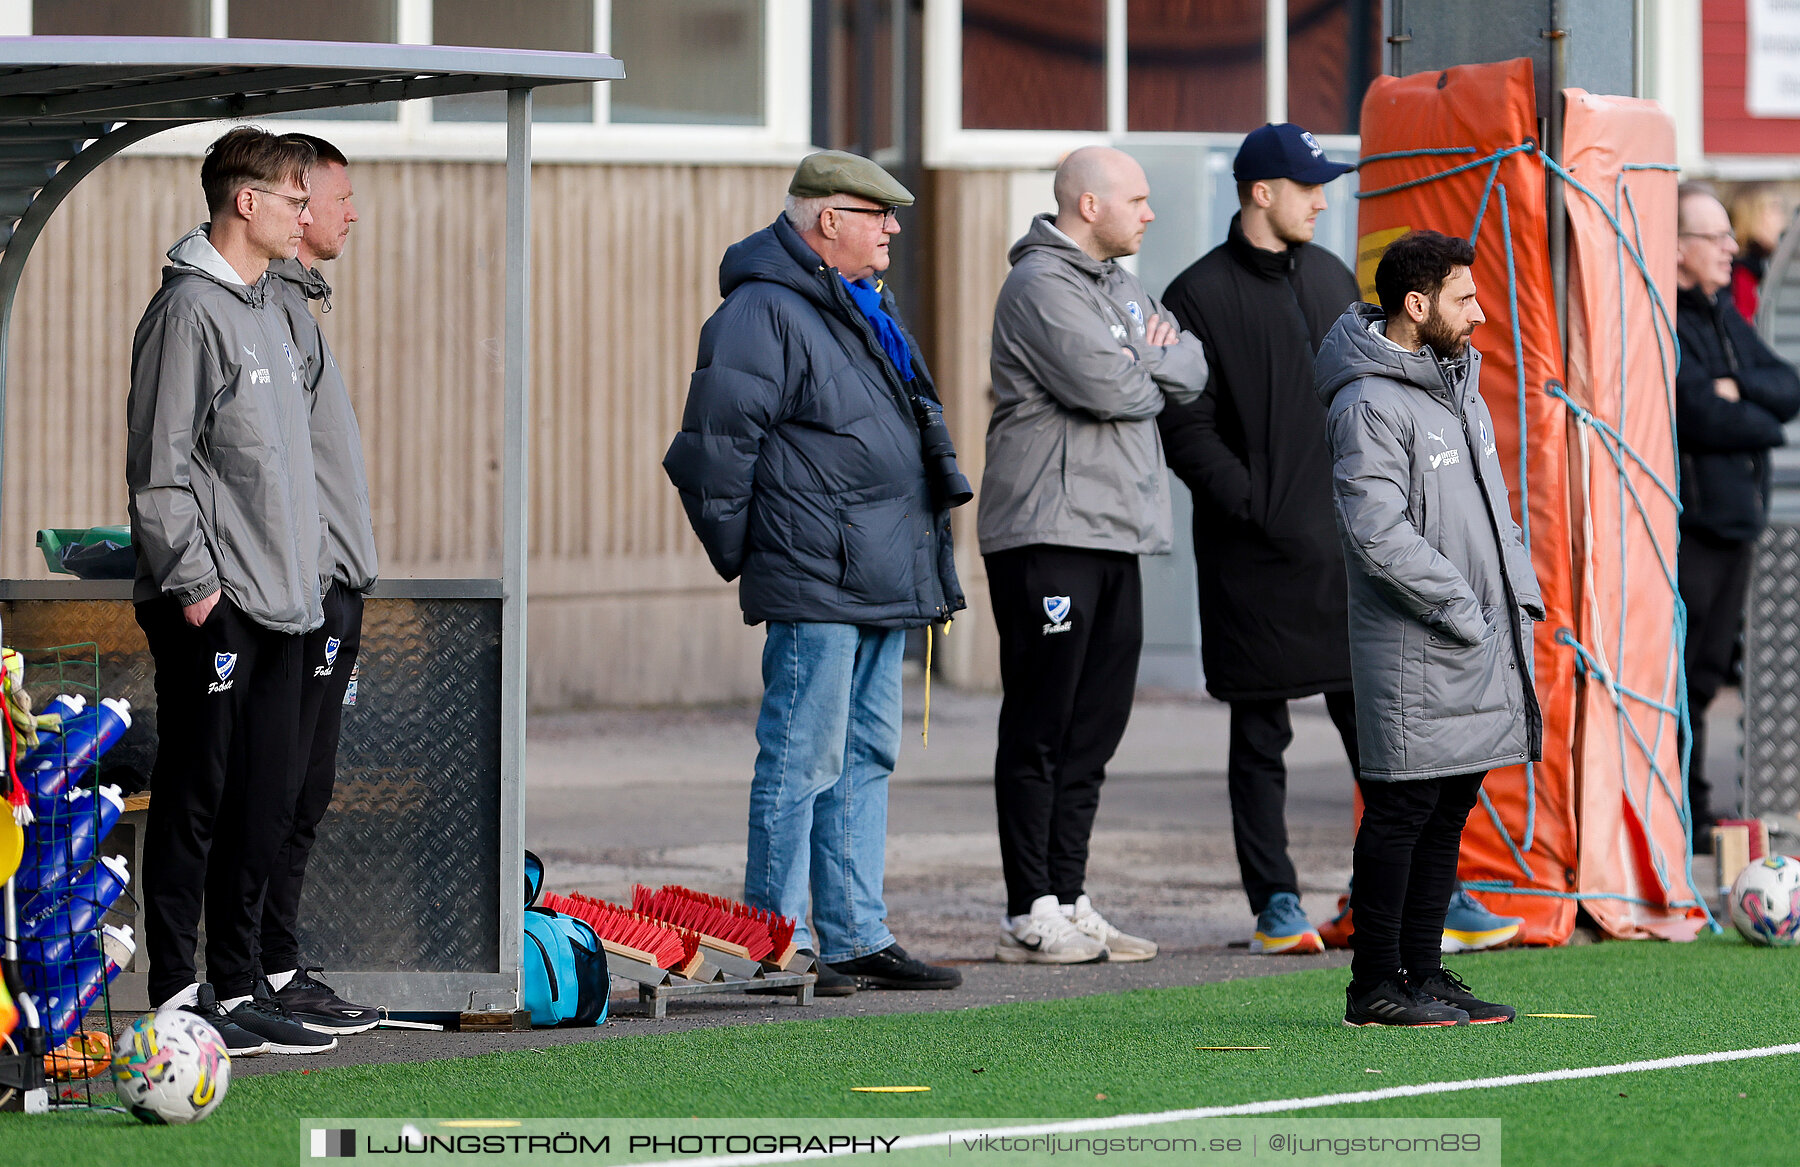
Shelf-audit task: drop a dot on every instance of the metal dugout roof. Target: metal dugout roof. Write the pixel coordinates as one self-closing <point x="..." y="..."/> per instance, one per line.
<point x="69" y="103"/>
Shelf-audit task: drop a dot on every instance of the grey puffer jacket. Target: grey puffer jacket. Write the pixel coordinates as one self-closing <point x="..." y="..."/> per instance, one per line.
<point x="218" y="460"/>
<point x="1073" y="456"/>
<point x="1442" y="592"/>
<point x="336" y="438"/>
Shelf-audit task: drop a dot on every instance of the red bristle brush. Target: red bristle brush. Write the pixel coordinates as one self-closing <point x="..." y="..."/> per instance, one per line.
<point x="631" y="934"/>
<point x="762" y="934"/>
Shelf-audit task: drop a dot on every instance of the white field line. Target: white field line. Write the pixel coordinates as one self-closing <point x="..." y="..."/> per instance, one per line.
<point x="1274" y="1106"/>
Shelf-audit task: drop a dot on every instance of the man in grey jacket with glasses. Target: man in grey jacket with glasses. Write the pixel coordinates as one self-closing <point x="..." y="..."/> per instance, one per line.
<point x="1074" y="491"/>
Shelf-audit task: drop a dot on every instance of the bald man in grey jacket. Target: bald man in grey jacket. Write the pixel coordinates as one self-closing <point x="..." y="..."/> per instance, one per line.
<point x="1074" y="491"/>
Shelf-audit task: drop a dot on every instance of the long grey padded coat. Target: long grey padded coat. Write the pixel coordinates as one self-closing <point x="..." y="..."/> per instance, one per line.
<point x="1442" y="593"/>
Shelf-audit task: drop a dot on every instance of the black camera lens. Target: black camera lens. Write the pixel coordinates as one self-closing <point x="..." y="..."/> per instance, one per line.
<point x="949" y="487"/>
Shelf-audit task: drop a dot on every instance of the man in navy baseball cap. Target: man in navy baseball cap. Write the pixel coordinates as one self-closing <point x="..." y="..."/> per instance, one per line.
<point x="1284" y="150"/>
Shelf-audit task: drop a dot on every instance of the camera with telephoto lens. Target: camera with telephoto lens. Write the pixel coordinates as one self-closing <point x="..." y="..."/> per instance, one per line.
<point x="949" y="487"/>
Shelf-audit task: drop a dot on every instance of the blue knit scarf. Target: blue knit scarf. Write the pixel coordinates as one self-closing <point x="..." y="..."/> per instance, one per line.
<point x="887" y="330"/>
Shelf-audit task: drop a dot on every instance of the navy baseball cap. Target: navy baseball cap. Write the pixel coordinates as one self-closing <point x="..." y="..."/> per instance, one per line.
<point x="1284" y="150"/>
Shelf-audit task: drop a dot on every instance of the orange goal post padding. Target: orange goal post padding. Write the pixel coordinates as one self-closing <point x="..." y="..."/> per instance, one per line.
<point x="1456" y="151"/>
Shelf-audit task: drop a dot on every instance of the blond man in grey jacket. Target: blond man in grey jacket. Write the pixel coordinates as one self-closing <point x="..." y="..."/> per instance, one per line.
<point x="1074" y="491"/>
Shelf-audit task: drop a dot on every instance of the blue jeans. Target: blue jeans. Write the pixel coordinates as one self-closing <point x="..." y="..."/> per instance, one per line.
<point x="828" y="735"/>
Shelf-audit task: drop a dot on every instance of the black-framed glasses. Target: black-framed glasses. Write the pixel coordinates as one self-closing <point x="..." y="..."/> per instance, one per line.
<point x="888" y="214"/>
<point x="299" y="205"/>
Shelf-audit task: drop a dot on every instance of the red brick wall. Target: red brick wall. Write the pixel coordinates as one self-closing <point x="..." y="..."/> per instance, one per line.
<point x="1727" y="127"/>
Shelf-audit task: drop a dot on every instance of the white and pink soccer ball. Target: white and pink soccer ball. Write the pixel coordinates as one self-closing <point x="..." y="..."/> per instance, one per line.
<point x="171" y="1067"/>
<point x="1765" y="902"/>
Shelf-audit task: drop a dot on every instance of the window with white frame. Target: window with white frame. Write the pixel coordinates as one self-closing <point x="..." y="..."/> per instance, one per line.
<point x="1008" y="77"/>
<point x="706" y="79"/>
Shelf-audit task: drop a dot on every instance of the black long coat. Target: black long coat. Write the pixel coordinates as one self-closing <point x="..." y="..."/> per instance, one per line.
<point x="1725" y="444"/>
<point x="1252" y="449"/>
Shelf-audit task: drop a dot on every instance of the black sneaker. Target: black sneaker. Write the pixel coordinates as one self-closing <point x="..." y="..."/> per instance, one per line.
<point x="829" y="984"/>
<point x="238" y="1042"/>
<point x="311" y="1002"/>
<point x="1449" y="988"/>
<point x="891" y="968"/>
<point x="263" y="1016"/>
<point x="1394" y="1002"/>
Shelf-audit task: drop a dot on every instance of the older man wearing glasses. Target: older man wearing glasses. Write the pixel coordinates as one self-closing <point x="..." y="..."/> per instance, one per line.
<point x="1732" y="396"/>
<point x="225" y="519"/>
<point x="801" y="463"/>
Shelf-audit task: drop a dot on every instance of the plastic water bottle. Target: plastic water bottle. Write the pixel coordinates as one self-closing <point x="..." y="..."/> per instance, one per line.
<point x="93" y="969"/>
<point x="67" y="704"/>
<point x="61" y="842"/>
<point x="52" y="922"/>
<point x="62" y="760"/>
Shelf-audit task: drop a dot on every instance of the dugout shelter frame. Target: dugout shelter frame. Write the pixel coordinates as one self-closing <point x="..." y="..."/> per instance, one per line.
<point x="67" y="104"/>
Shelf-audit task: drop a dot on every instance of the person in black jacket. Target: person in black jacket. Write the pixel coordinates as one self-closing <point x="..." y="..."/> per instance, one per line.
<point x="1732" y="396"/>
<point x="800" y="465"/>
<point x="1252" y="449"/>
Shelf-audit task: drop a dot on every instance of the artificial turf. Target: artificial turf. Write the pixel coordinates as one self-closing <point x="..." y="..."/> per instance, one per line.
<point x="1114" y="1054"/>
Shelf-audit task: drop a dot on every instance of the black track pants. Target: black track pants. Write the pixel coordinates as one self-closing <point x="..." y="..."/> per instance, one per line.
<point x="330" y="654"/>
<point x="222" y="790"/>
<point x="1071" y="627"/>
<point x="1256" y="776"/>
<point x="1715" y="577"/>
<point x="1405" y="873"/>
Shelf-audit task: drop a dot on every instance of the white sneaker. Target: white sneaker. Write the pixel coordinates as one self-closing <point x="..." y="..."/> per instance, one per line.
<point x="1046" y="936"/>
<point x="1119" y="945"/>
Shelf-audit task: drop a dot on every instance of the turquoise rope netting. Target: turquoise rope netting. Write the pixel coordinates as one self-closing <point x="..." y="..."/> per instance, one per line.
<point x="1592" y="661"/>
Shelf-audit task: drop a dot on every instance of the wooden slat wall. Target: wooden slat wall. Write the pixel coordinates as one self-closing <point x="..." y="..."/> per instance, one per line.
<point x="625" y="608"/>
<point x="969" y="245"/>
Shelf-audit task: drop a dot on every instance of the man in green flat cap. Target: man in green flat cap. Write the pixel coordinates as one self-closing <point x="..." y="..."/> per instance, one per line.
<point x="801" y="465"/>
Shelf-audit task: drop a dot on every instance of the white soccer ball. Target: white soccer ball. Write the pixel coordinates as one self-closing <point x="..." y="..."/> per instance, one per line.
<point x="171" y="1066"/>
<point x="1765" y="902"/>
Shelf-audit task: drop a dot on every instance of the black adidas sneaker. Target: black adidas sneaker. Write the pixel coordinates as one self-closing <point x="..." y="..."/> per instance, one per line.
<point x="312" y="1003"/>
<point x="1449" y="988"/>
<point x="1394" y="1002"/>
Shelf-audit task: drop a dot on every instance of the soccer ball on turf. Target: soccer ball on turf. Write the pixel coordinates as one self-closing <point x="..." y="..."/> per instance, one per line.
<point x="1765" y="902"/>
<point x="171" y="1067"/>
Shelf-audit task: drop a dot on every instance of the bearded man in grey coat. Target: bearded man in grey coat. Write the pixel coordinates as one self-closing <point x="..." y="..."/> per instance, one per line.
<point x="1442" y="596"/>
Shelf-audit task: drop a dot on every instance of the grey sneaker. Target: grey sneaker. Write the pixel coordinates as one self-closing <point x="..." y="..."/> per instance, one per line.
<point x="1045" y="936"/>
<point x="1119" y="945"/>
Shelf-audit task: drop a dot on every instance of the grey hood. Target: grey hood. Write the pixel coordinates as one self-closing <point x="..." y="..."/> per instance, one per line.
<point x="350" y="557"/>
<point x="218" y="461"/>
<point x="1442" y="593"/>
<point x="1357" y="346"/>
<point x="1073" y="455"/>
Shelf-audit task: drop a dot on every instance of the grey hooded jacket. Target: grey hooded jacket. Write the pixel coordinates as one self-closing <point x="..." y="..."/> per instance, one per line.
<point x="336" y="439"/>
<point x="1073" y="455"/>
<point x="217" y="457"/>
<point x="1442" y="592"/>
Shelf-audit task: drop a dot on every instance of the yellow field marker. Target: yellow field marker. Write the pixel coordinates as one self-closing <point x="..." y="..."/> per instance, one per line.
<point x="1566" y="1016"/>
<point x="890" y="1089"/>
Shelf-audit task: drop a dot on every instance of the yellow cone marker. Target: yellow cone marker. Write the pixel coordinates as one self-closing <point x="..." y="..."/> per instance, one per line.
<point x="1565" y="1016"/>
<point x="890" y="1089"/>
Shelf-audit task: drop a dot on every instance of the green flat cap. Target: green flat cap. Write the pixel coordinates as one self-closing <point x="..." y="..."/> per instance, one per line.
<point x="832" y="172"/>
